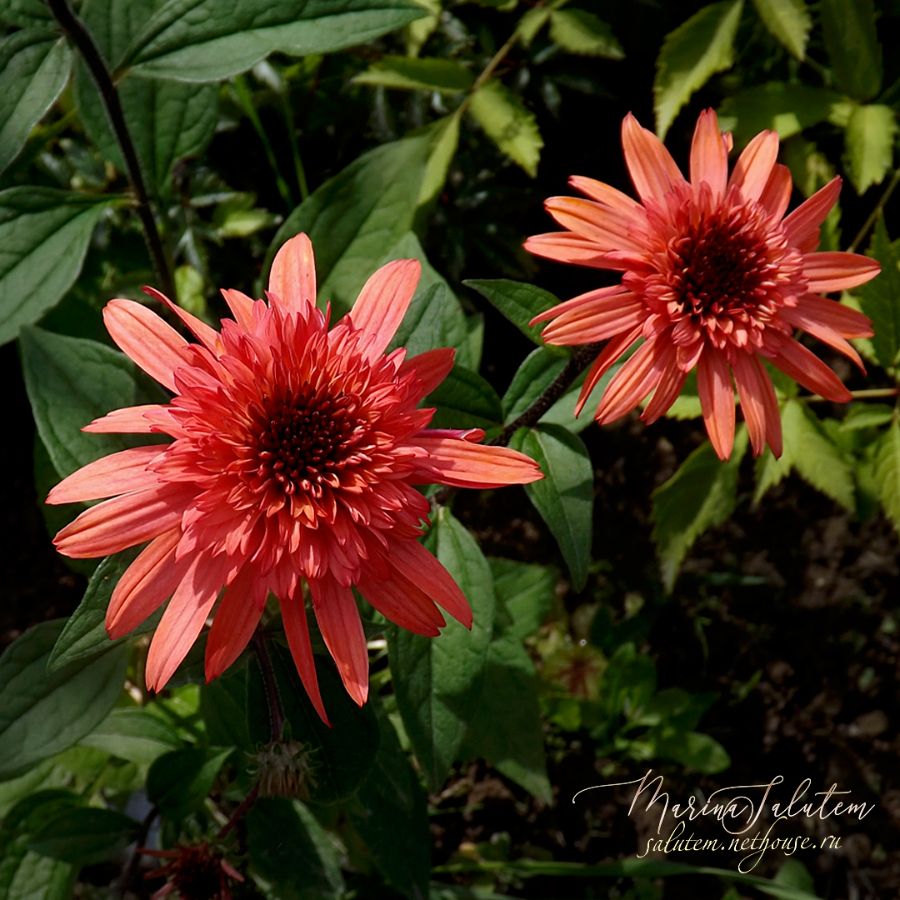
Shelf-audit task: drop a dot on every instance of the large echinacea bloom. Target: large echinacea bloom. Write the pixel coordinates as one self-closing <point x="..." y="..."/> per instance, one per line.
<point x="295" y="455"/>
<point x="715" y="276"/>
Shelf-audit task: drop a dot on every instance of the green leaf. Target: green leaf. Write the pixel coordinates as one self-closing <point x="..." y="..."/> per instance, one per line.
<point x="34" y="68"/>
<point x="179" y="781"/>
<point x="867" y="415"/>
<point x="579" y="31"/>
<point x="700" y="495"/>
<point x="785" y="108"/>
<point x="443" y="150"/>
<point x="691" y="55"/>
<point x="464" y="400"/>
<point x="508" y="124"/>
<point x="133" y="734"/>
<point x="290" y="850"/>
<point x="880" y="298"/>
<point x="697" y="751"/>
<point x="516" y="301"/>
<point x="43" y="713"/>
<point x="870" y="144"/>
<point x="26" y="13"/>
<point x="24" y="874"/>
<point x="71" y="381"/>
<point x="536" y="373"/>
<point x="390" y="812"/>
<point x="340" y="755"/>
<point x="565" y="496"/>
<point x="531" y="23"/>
<point x="524" y="595"/>
<point x="851" y="40"/>
<point x="84" y="835"/>
<point x="354" y="218"/>
<point x="887" y="472"/>
<point x="168" y="120"/>
<point x="44" y="236"/>
<point x="814" y="456"/>
<point x="446" y="76"/>
<point x="788" y="21"/>
<point x="205" y="40"/>
<point x="438" y="680"/>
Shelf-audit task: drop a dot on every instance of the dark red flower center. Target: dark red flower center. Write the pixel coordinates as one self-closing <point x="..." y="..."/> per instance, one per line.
<point x="303" y="441"/>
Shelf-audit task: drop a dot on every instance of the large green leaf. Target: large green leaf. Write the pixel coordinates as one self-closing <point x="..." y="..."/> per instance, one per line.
<point x="700" y="495"/>
<point x="207" y="40"/>
<point x="44" y="236"/>
<point x="508" y="124"/>
<point x="408" y="73"/>
<point x="517" y="301"/>
<point x="851" y="39"/>
<point x="356" y="217"/>
<point x="870" y="144"/>
<point x="788" y="20"/>
<point x="880" y="298"/>
<point x="42" y="712"/>
<point x="179" y="781"/>
<point x="887" y="472"/>
<point x="71" y="381"/>
<point x="691" y="55"/>
<point x="438" y="680"/>
<point x="134" y="734"/>
<point x="565" y="495"/>
<point x="26" y="13"/>
<point x="34" y="68"/>
<point x="84" y="835"/>
<point x="524" y="595"/>
<point x="167" y="120"/>
<point x="464" y="400"/>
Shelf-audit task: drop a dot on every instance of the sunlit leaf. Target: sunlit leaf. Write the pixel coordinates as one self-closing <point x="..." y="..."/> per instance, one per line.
<point x="445" y="76"/>
<point x="580" y="31"/>
<point x="788" y="20"/>
<point x="887" y="472"/>
<point x="851" y="39"/>
<point x="870" y="144"/>
<point x="880" y="298"/>
<point x="508" y="124"/>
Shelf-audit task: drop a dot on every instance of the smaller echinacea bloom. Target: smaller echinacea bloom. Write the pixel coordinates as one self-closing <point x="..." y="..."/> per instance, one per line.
<point x="715" y="278"/>
<point x="295" y="457"/>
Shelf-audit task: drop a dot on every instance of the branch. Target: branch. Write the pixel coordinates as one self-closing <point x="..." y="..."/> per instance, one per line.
<point x="89" y="51"/>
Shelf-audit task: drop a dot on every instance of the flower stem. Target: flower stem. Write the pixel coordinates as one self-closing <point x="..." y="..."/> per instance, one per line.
<point x="87" y="47"/>
<point x="866" y="394"/>
<point x="873" y="216"/>
<point x="273" y="698"/>
<point x="239" y="812"/>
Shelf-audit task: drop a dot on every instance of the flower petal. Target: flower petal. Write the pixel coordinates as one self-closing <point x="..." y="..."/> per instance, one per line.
<point x="709" y="158"/>
<point x="296" y="629"/>
<point x="807" y="369"/>
<point x="758" y="403"/>
<point x="776" y="195"/>
<point x="603" y="363"/>
<point x="414" y="563"/>
<point x="594" y="318"/>
<point x="565" y="247"/>
<point x="829" y="321"/>
<point x="754" y="166"/>
<point x="129" y="420"/>
<point x="124" y="521"/>
<point x="717" y="400"/>
<point x="837" y="271"/>
<point x="207" y="336"/>
<point x="403" y="603"/>
<point x="430" y="367"/>
<point x="601" y="225"/>
<point x="117" y="473"/>
<point x="458" y="462"/>
<point x="234" y="621"/>
<point x="241" y="307"/>
<point x="639" y="375"/>
<point x="652" y="169"/>
<point x="802" y="225"/>
<point x="292" y="279"/>
<point x="383" y="301"/>
<point x="155" y="346"/>
<point x="609" y="197"/>
<point x="670" y="384"/>
<point x="343" y="634"/>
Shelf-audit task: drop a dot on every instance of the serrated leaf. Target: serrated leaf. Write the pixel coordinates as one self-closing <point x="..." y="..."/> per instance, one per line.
<point x="565" y="495"/>
<point x="700" y="495"/>
<point x="42" y="712"/>
<point x="84" y="835"/>
<point x="866" y="415"/>
<point x="168" y="120"/>
<point x="887" y="472"/>
<point x="580" y="31"/>
<point x="71" y="381"/>
<point x="785" y="108"/>
<point x="178" y="782"/>
<point x="206" y="40"/>
<point x="34" y="68"/>
<point x="465" y="400"/>
<point x="508" y="124"/>
<point x="531" y="23"/>
<point x="879" y="299"/>
<point x="438" y="680"/>
<point x="851" y="40"/>
<point x="788" y="21"/>
<point x="356" y="217"/>
<point x="446" y="76"/>
<point x="870" y="144"/>
<point x="516" y="301"/>
<point x="690" y="55"/>
<point x="44" y="236"/>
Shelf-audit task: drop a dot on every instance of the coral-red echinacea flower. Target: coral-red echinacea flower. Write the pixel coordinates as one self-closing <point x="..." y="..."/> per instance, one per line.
<point x="295" y="455"/>
<point x="715" y="277"/>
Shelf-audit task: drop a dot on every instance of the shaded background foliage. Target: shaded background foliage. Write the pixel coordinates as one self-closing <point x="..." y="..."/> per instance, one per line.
<point x="647" y="606"/>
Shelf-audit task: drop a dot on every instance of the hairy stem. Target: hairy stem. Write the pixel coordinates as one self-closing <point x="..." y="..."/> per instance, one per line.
<point x="873" y="216"/>
<point x="84" y="43"/>
<point x="240" y="811"/>
<point x="273" y="698"/>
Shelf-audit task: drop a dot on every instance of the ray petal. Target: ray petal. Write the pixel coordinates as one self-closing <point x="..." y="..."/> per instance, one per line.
<point x="383" y="301"/>
<point x="292" y="279"/>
